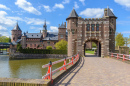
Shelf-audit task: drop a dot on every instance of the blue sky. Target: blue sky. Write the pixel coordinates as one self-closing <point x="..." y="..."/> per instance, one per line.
<point x="31" y="14"/>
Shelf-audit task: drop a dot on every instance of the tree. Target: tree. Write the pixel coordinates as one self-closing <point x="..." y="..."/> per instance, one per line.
<point x="19" y="47"/>
<point x="49" y="47"/>
<point x="120" y="40"/>
<point x="62" y="45"/>
<point x="94" y="45"/>
<point x="126" y="40"/>
<point x="4" y="39"/>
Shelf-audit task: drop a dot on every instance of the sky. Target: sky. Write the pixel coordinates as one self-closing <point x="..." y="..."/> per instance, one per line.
<point x="31" y="14"/>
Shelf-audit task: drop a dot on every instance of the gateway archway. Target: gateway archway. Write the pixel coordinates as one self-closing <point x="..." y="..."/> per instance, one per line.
<point x="88" y="45"/>
<point x="102" y="30"/>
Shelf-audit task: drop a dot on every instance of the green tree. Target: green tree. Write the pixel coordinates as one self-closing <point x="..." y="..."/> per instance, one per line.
<point x="126" y="41"/>
<point x="49" y="47"/>
<point x="93" y="45"/>
<point x="4" y="39"/>
<point x="62" y="45"/>
<point x="19" y="47"/>
<point x="120" y="40"/>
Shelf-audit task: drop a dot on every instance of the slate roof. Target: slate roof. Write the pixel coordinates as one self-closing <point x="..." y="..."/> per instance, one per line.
<point x="33" y="35"/>
<point x="73" y="14"/>
<point x="62" y="26"/>
<point x="51" y="36"/>
<point x="16" y="27"/>
<point x="110" y="13"/>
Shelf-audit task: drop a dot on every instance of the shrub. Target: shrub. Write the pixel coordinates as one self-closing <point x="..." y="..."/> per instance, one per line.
<point x="49" y="47"/>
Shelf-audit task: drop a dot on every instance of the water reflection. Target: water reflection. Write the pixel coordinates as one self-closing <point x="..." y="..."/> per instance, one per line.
<point x="29" y="68"/>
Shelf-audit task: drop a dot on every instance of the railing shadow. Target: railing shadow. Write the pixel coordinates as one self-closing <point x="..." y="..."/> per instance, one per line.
<point x="72" y="71"/>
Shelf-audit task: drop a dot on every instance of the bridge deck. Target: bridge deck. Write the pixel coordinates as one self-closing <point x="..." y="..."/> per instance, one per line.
<point x="96" y="71"/>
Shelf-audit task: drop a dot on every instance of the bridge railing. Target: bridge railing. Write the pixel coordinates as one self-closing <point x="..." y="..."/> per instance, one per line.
<point x="120" y="56"/>
<point x="50" y="72"/>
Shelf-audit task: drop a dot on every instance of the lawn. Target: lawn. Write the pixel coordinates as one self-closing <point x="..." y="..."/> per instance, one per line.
<point x="91" y="52"/>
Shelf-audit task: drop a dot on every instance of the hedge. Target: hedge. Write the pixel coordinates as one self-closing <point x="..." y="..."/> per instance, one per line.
<point x="43" y="51"/>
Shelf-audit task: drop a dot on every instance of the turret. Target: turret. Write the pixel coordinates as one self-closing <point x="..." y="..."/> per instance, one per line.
<point x="62" y="31"/>
<point x="72" y="25"/>
<point x="44" y="30"/>
<point x="16" y="32"/>
<point x="23" y="42"/>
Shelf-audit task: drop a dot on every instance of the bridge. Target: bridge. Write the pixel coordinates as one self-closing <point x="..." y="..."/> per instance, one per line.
<point x="4" y="46"/>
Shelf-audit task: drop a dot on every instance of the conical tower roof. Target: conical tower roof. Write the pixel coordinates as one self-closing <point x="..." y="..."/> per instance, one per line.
<point x="73" y="14"/>
<point x="16" y="27"/>
<point x="45" y="26"/>
<point x="110" y="13"/>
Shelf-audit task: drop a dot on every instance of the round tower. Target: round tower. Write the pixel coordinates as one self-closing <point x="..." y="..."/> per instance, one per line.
<point x="16" y="33"/>
<point x="72" y="28"/>
<point x="23" y="42"/>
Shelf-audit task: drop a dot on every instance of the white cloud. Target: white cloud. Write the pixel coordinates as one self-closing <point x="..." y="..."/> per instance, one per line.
<point x="93" y="12"/>
<point x="27" y="6"/>
<point x="36" y="28"/>
<point x="47" y="8"/>
<point x="61" y="6"/>
<point x="76" y="5"/>
<point x="35" y="21"/>
<point x="4" y="7"/>
<point x="4" y="31"/>
<point x="7" y="20"/>
<point x="125" y="3"/>
<point x="82" y="1"/>
<point x="126" y="32"/>
<point x="53" y="29"/>
<point x="66" y="1"/>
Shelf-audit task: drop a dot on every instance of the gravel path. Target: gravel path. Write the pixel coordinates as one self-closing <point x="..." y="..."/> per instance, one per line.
<point x="96" y="71"/>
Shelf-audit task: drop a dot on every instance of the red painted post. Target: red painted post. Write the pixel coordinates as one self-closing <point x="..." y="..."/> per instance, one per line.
<point x="49" y="71"/>
<point x="111" y="55"/>
<point x="117" y="56"/>
<point x="72" y="60"/>
<point x="64" y="64"/>
<point x="123" y="57"/>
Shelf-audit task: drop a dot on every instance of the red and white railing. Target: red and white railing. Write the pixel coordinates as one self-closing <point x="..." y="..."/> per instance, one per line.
<point x="120" y="56"/>
<point x="74" y="59"/>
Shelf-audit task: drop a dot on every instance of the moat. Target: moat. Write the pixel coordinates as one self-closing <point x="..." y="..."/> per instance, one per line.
<point x="29" y="68"/>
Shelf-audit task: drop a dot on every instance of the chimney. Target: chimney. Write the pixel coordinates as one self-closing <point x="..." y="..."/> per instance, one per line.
<point x="65" y="24"/>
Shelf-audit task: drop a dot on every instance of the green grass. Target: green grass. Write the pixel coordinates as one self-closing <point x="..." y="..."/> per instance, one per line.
<point x="91" y="52"/>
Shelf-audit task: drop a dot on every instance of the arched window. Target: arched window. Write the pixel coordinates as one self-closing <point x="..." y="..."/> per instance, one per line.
<point x="97" y="27"/>
<point x="93" y="27"/>
<point x="88" y="27"/>
<point x="14" y="38"/>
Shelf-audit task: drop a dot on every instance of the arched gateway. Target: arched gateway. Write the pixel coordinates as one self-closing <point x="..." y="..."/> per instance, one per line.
<point x="99" y="30"/>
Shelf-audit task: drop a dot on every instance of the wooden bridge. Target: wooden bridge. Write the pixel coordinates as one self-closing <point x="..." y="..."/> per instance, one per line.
<point x="82" y="71"/>
<point x="4" y="46"/>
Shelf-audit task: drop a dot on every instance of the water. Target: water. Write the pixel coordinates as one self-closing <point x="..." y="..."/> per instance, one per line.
<point x="29" y="68"/>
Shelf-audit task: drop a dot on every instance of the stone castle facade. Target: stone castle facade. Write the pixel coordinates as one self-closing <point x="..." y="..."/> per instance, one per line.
<point x="80" y="33"/>
<point x="98" y="30"/>
<point x="38" y="40"/>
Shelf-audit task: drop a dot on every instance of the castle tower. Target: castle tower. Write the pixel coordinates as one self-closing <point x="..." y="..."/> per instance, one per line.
<point x="23" y="42"/>
<point x="72" y="25"/>
<point x="109" y="15"/>
<point x="62" y="31"/>
<point x="44" y="30"/>
<point x="16" y="32"/>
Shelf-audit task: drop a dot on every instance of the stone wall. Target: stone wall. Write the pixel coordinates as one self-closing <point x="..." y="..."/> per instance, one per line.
<point x="35" y="56"/>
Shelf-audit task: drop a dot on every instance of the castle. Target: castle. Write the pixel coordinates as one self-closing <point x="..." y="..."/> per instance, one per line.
<point x="98" y="30"/>
<point x="38" y="40"/>
<point x="81" y="32"/>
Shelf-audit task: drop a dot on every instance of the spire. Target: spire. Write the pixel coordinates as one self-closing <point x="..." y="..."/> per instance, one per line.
<point x="16" y="27"/>
<point x="73" y="14"/>
<point x="45" y="26"/>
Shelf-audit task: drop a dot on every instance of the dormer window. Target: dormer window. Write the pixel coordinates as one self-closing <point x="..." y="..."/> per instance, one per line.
<point x="37" y="35"/>
<point x="32" y="35"/>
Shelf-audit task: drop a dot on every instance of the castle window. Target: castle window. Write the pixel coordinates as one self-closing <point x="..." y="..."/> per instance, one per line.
<point x="112" y="21"/>
<point x="37" y="35"/>
<point x="93" y="27"/>
<point x="88" y="27"/>
<point x="30" y="45"/>
<point x="26" y="45"/>
<point x="97" y="27"/>
<point x="54" y="42"/>
<point x="48" y="43"/>
<point x="32" y="35"/>
<point x="73" y="30"/>
<point x="34" y="45"/>
<point x="61" y="36"/>
<point x="14" y="38"/>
